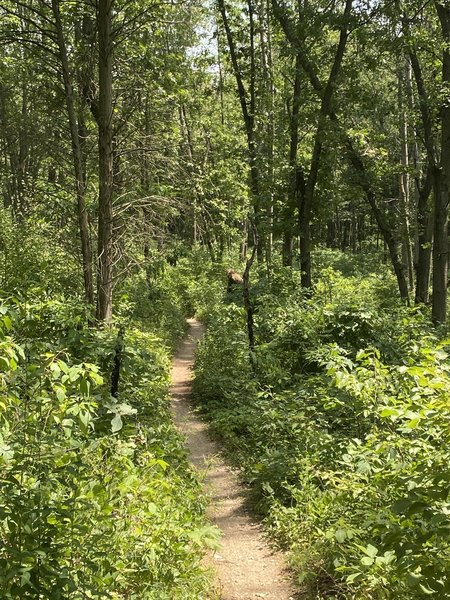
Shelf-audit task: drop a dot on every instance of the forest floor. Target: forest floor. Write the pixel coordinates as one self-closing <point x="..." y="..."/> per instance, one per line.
<point x="246" y="567"/>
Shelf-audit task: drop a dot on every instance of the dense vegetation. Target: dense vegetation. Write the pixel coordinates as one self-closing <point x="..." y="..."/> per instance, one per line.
<point x="145" y="148"/>
<point x="97" y="499"/>
<point x="340" y="424"/>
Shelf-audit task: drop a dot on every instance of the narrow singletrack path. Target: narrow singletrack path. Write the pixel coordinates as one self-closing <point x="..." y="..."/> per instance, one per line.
<point x="246" y="567"/>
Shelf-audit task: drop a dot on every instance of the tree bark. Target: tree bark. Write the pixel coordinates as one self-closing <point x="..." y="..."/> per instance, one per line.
<point x="248" y="114"/>
<point x="249" y="308"/>
<point x="441" y="184"/>
<point x="77" y="157"/>
<point x="424" y="220"/>
<point x="425" y="237"/>
<point x="404" y="180"/>
<point x="296" y="184"/>
<point x="305" y="202"/>
<point x="105" y="152"/>
<point x="267" y="92"/>
<point x="381" y="219"/>
<point x="117" y="362"/>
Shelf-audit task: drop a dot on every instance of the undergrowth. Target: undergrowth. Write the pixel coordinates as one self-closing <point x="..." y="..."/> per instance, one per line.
<point x="340" y="427"/>
<point x="96" y="496"/>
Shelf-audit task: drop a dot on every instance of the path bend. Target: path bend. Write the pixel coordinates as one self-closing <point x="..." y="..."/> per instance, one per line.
<point x="246" y="568"/>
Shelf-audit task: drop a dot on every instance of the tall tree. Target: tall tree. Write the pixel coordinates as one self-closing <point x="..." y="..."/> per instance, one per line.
<point x="306" y="197"/>
<point x="105" y="161"/>
<point x="325" y="93"/>
<point x="247" y="99"/>
<point x="77" y="156"/>
<point x="442" y="181"/>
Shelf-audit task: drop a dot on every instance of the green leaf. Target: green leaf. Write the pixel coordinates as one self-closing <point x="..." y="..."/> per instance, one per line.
<point x="60" y="394"/>
<point x="116" y="423"/>
<point x="340" y="535"/>
<point x="85" y="387"/>
<point x="208" y="535"/>
<point x="388" y="412"/>
<point x="84" y="417"/>
<point x="63" y="366"/>
<point x="96" y="378"/>
<point x="426" y="590"/>
<point x="353" y="577"/>
<point x="74" y="373"/>
<point x="413" y="579"/>
<point x="7" y="322"/>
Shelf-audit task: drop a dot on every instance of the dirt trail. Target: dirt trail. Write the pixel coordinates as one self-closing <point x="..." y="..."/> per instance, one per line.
<point x="246" y="567"/>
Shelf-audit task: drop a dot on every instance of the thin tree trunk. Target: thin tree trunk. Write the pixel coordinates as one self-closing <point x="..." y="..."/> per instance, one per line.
<point x="77" y="158"/>
<point x="249" y="308"/>
<point x="296" y="185"/>
<point x="259" y="219"/>
<point x="194" y="174"/>
<point x="326" y="93"/>
<point x="305" y="208"/>
<point x="424" y="218"/>
<point x="404" y="186"/>
<point x="106" y="178"/>
<point x="117" y="362"/>
<point x="248" y="113"/>
<point x="381" y="219"/>
<point x="10" y="154"/>
<point x="268" y="100"/>
<point x="23" y="157"/>
<point x="441" y="185"/>
<point x="425" y="237"/>
<point x="23" y="154"/>
<point x="243" y="246"/>
<point x="221" y="79"/>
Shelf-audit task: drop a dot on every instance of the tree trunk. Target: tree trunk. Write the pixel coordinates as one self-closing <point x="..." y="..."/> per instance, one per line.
<point x="194" y="171"/>
<point x="404" y="187"/>
<point x="296" y="184"/>
<point x="23" y="155"/>
<point x="77" y="158"/>
<point x="117" y="362"/>
<point x="249" y="308"/>
<point x="440" y="248"/>
<point x="268" y="102"/>
<point x="331" y="233"/>
<point x="425" y="238"/>
<point x="305" y="207"/>
<point x="424" y="219"/>
<point x="387" y="232"/>
<point x="105" y="148"/>
<point x="259" y="216"/>
<point x="11" y="156"/>
<point x="305" y="203"/>
<point x="248" y="107"/>
<point x="441" y="185"/>
<point x="355" y="158"/>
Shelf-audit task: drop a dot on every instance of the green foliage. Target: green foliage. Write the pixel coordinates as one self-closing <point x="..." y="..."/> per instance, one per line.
<point x="96" y="498"/>
<point x="342" y="430"/>
<point x="44" y="266"/>
<point x="153" y="304"/>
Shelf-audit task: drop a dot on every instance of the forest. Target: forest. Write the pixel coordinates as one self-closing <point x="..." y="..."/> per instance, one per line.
<point x="279" y="170"/>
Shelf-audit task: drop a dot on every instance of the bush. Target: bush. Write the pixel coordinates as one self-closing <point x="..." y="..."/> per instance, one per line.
<point x="341" y="428"/>
<point x="96" y="499"/>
